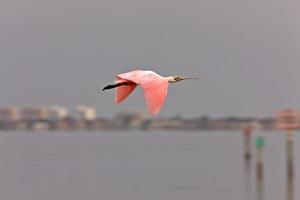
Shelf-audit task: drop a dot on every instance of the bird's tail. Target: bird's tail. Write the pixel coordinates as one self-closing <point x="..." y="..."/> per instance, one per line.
<point x="108" y="87"/>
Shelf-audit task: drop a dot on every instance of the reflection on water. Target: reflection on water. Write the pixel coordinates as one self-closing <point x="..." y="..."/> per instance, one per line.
<point x="139" y="165"/>
<point x="290" y="165"/>
<point x="248" y="175"/>
<point x="259" y="148"/>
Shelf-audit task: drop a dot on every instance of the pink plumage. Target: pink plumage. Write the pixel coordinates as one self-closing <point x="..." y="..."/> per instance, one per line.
<point x="124" y="91"/>
<point x="155" y="88"/>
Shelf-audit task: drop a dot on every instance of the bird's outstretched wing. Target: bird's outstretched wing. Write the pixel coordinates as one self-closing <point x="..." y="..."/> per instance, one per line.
<point x="124" y="91"/>
<point x="155" y="95"/>
<point x="154" y="86"/>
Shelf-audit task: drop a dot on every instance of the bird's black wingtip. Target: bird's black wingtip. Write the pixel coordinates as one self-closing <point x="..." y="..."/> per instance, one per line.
<point x="108" y="87"/>
<point x="105" y="88"/>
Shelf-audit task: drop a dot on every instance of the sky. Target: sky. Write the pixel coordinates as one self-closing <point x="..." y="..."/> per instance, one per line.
<point x="63" y="52"/>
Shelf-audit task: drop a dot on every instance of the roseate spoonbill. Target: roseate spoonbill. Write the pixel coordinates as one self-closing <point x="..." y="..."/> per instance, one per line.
<point x="155" y="87"/>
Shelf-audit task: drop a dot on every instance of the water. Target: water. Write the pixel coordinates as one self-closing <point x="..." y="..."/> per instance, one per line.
<point x="137" y="166"/>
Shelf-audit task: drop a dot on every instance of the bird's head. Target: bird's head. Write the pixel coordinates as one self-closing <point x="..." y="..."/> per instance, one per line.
<point x="175" y="79"/>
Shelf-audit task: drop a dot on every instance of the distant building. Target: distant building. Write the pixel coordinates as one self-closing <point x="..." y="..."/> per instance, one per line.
<point x="34" y="113"/>
<point x="58" y="113"/>
<point x="40" y="126"/>
<point x="87" y="113"/>
<point x="129" y="119"/>
<point x="9" y="114"/>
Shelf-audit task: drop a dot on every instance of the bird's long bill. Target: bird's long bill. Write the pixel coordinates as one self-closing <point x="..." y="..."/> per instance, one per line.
<point x="190" y="78"/>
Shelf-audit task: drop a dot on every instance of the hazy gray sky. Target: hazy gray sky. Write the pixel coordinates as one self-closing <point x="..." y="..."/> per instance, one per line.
<point x="247" y="53"/>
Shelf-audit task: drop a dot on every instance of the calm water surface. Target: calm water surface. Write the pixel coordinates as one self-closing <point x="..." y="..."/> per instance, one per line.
<point x="137" y="166"/>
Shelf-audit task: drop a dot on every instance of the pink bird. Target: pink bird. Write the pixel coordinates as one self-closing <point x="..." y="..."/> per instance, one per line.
<point x="155" y="87"/>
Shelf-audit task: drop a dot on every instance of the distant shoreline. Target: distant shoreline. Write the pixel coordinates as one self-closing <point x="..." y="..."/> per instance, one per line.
<point x="137" y="122"/>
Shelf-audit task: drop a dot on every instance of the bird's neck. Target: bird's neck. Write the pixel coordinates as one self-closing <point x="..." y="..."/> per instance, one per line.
<point x="171" y="79"/>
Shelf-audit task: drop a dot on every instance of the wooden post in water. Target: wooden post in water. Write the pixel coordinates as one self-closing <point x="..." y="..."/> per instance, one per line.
<point x="289" y="120"/>
<point x="247" y="142"/>
<point x="247" y="131"/>
<point x="290" y="165"/>
<point x="259" y="144"/>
